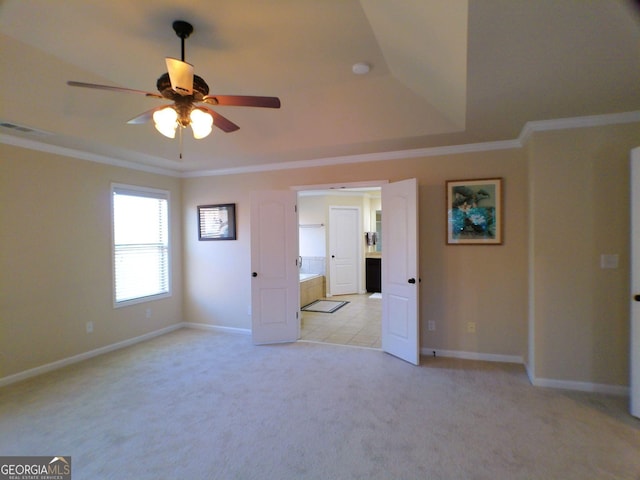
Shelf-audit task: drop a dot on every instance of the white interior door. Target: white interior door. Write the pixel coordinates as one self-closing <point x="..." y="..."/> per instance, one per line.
<point x="400" y="279"/>
<point x="275" y="283"/>
<point x="345" y="250"/>
<point x="635" y="283"/>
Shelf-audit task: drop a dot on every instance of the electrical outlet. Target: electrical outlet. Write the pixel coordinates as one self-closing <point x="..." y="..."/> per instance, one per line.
<point x="609" y="260"/>
<point x="471" y="327"/>
<point x="89" y="327"/>
<point x="431" y="325"/>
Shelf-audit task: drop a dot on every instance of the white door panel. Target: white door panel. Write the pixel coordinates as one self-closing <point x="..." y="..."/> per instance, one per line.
<point x="635" y="282"/>
<point x="400" y="279"/>
<point x="400" y="321"/>
<point x="275" y="282"/>
<point x="345" y="249"/>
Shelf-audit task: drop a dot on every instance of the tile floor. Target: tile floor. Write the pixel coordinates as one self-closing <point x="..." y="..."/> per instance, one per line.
<point x="357" y="323"/>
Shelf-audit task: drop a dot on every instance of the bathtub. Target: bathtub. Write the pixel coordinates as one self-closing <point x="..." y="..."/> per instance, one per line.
<point x="311" y="288"/>
<point x="308" y="276"/>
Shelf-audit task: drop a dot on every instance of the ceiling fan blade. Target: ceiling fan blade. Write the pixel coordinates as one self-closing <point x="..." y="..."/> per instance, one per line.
<point x="145" y="117"/>
<point x="71" y="83"/>
<point x="181" y="75"/>
<point x="221" y="122"/>
<point x="242" y="101"/>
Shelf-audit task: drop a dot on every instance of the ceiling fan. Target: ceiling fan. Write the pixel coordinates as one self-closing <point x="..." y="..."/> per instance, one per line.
<point x="186" y="91"/>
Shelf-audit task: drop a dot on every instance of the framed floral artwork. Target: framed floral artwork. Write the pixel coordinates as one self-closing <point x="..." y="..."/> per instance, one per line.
<point x="474" y="212"/>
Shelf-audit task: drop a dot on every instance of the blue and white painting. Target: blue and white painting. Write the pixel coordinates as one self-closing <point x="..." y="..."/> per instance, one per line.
<point x="473" y="211"/>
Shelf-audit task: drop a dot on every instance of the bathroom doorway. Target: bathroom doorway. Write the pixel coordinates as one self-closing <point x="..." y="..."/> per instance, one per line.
<point x="400" y="270"/>
<point x="357" y="323"/>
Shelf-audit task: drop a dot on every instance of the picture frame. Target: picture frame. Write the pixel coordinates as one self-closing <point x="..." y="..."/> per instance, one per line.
<point x="474" y="212"/>
<point x="217" y="222"/>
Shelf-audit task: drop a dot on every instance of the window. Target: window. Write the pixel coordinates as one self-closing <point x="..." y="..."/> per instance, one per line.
<point x="140" y="244"/>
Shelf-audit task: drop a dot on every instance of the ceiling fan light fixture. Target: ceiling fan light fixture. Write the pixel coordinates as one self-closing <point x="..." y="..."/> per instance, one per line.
<point x="166" y="121"/>
<point x="185" y="90"/>
<point x="201" y="123"/>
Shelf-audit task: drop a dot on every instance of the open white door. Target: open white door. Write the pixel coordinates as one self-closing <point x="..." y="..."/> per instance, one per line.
<point x="400" y="279"/>
<point x="275" y="282"/>
<point x="635" y="283"/>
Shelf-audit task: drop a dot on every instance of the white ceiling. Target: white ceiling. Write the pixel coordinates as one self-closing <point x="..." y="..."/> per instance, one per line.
<point x="444" y="72"/>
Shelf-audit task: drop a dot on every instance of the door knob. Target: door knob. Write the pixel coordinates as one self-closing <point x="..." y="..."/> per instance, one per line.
<point x="412" y="280"/>
<point x="636" y="297"/>
<point x="254" y="274"/>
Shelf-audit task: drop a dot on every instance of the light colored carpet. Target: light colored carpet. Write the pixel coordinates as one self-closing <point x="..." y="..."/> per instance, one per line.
<point x="324" y="306"/>
<point x="199" y="405"/>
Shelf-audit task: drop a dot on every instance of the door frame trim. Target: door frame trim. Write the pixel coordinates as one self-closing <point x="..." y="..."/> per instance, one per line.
<point x="339" y="186"/>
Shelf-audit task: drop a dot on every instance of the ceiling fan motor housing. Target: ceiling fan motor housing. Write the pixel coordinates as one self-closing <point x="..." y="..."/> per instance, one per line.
<point x="200" y="88"/>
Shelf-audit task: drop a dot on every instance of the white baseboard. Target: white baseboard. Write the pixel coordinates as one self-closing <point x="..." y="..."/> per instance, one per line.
<point x="84" y="356"/>
<point x="591" y="387"/>
<point x="487" y="357"/>
<point x="530" y="372"/>
<point x="619" y="390"/>
<point x="218" y="328"/>
<point x="114" y="346"/>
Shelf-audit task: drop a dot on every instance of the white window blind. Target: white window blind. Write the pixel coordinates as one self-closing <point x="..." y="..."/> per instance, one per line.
<point x="140" y="243"/>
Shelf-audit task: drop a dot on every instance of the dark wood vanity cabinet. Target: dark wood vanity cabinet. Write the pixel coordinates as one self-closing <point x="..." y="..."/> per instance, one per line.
<point x="373" y="268"/>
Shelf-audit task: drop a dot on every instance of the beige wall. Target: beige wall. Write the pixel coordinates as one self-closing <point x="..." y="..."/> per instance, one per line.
<point x="579" y="181"/>
<point x="487" y="285"/>
<point x="55" y="267"/>
<point x="566" y="202"/>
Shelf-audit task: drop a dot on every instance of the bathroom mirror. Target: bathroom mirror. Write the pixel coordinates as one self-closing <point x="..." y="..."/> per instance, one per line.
<point x="379" y="230"/>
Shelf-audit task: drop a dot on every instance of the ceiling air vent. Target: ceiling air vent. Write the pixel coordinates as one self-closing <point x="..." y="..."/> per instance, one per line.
<point x="22" y="129"/>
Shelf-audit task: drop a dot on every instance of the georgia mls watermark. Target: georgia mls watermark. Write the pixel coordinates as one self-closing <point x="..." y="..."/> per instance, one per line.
<point x="35" y="468"/>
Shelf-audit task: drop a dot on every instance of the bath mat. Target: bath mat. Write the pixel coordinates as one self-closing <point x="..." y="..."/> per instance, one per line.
<point x="376" y="295"/>
<point x="324" y="306"/>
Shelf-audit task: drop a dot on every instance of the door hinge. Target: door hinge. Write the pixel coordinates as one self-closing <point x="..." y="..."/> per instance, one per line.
<point x="296" y="315"/>
<point x="295" y="208"/>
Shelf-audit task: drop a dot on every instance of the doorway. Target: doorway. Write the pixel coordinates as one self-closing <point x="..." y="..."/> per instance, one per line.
<point x="325" y="217"/>
<point x="400" y="280"/>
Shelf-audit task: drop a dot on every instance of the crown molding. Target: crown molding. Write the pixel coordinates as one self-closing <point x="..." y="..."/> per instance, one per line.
<point x="576" y="122"/>
<point x="83" y="155"/>
<point x="528" y="129"/>
<point x="361" y="158"/>
<point x="525" y="135"/>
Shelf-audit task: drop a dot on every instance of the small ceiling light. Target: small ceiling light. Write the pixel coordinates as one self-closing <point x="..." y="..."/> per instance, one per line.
<point x="361" y="68"/>
<point x="166" y="121"/>
<point x="201" y="123"/>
